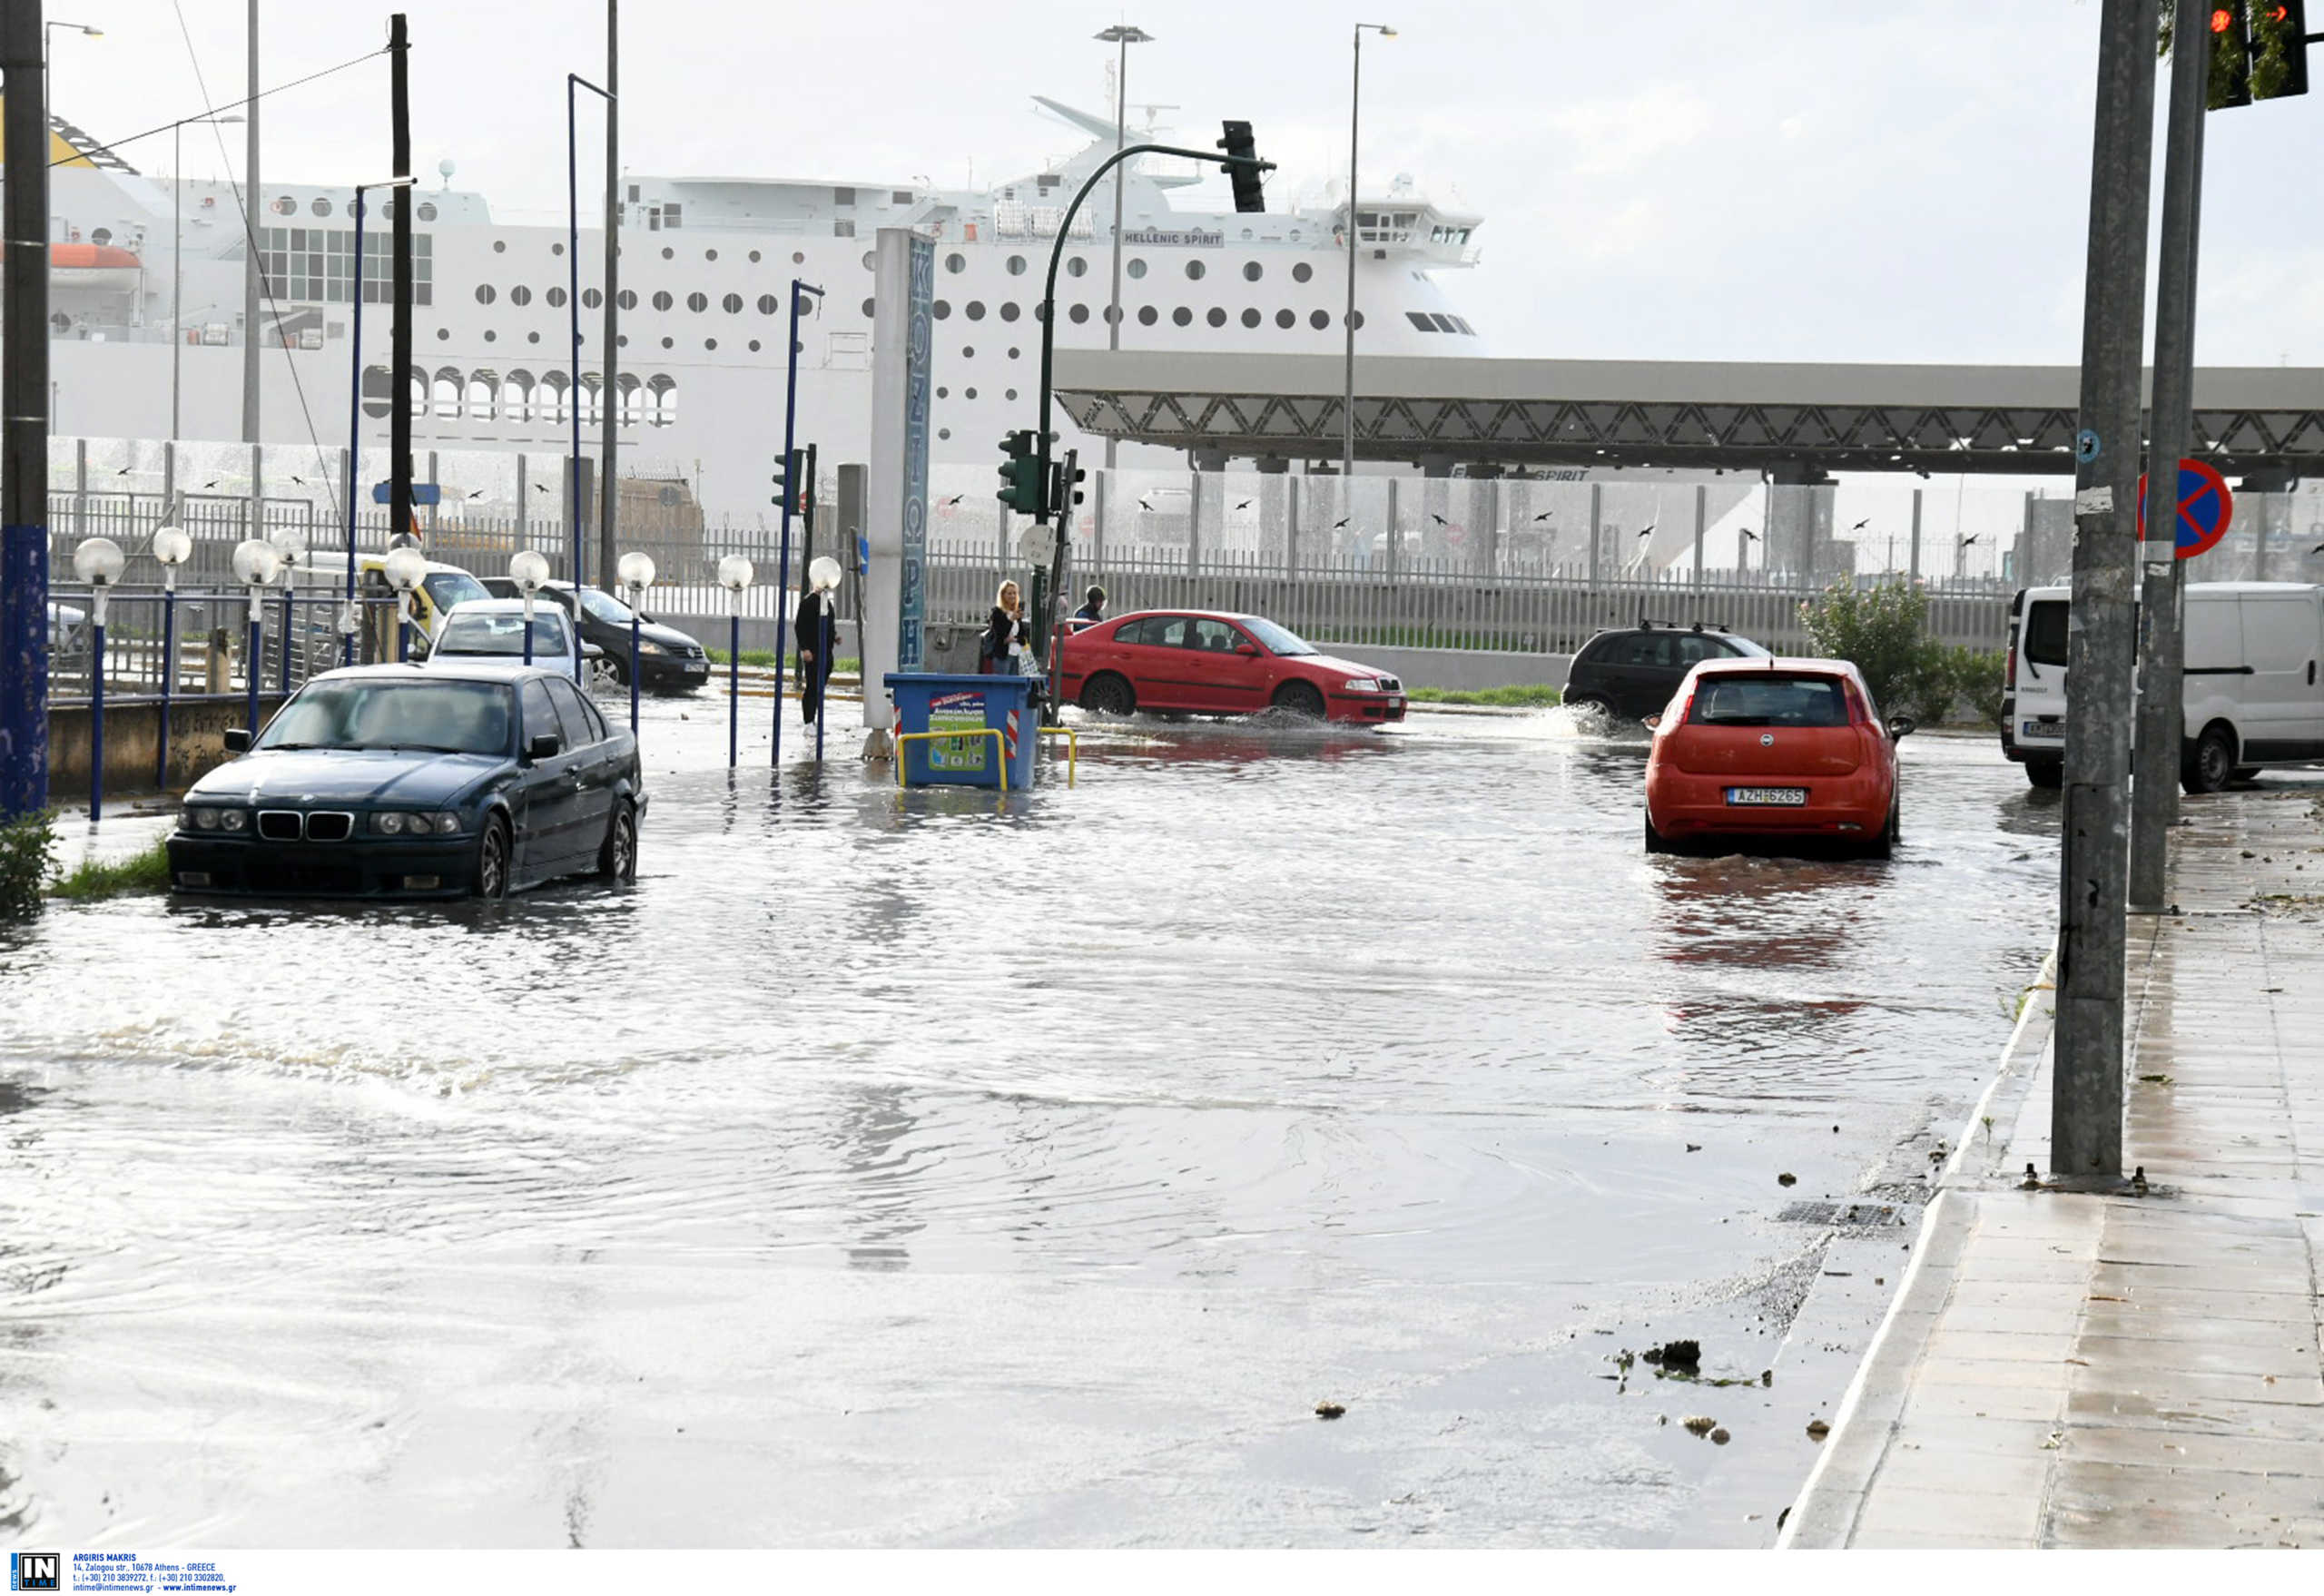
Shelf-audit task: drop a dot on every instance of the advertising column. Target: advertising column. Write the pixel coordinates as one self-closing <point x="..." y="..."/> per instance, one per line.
<point x="895" y="613"/>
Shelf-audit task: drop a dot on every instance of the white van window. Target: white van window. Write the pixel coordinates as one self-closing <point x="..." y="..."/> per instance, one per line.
<point x="2046" y="632"/>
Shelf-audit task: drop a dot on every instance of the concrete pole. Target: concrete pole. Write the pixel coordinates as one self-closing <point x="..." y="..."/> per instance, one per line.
<point x="2086" y="1110"/>
<point x="399" y="341"/>
<point x="1702" y="517"/>
<point x="254" y="208"/>
<point x="1291" y="530"/>
<point x="1917" y="536"/>
<point x="23" y="431"/>
<point x="1597" y="507"/>
<point x="1194" y="523"/>
<point x="2162" y="643"/>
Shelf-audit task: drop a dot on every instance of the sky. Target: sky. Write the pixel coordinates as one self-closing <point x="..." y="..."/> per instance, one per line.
<point x="1789" y="179"/>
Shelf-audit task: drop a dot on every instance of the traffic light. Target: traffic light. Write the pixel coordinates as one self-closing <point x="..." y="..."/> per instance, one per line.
<point x="2258" y="52"/>
<point x="783" y="475"/>
<point x="1020" y="475"/>
<point x="1065" y="490"/>
<point x="1249" y="196"/>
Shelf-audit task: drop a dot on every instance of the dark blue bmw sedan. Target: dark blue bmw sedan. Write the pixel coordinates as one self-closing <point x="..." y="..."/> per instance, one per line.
<point x="391" y="780"/>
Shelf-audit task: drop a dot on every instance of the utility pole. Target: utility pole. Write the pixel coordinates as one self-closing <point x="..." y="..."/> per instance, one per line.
<point x="24" y="427"/>
<point x="609" y="403"/>
<point x="254" y="211"/>
<point x="399" y="339"/>
<point x="2162" y="637"/>
<point x="2086" y="1111"/>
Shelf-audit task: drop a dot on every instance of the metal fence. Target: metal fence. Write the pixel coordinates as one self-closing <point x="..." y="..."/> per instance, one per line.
<point x="193" y="644"/>
<point x="1442" y="604"/>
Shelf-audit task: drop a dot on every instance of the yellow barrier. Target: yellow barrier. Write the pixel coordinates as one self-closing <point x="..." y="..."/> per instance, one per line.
<point x="1000" y="749"/>
<point x="1072" y="748"/>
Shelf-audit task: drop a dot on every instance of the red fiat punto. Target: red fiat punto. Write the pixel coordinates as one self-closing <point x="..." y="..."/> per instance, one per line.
<point x="1212" y="662"/>
<point x="1773" y="748"/>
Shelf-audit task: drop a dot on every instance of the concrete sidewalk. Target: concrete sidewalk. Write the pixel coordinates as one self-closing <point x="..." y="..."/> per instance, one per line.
<point x="2075" y="1369"/>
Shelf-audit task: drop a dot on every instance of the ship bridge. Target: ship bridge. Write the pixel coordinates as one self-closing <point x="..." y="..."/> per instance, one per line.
<point x="1792" y="422"/>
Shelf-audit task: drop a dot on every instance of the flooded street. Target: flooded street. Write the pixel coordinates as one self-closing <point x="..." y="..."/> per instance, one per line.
<point x="927" y="1169"/>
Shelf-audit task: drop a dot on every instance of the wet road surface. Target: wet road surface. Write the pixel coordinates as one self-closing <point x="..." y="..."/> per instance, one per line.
<point x="925" y="1170"/>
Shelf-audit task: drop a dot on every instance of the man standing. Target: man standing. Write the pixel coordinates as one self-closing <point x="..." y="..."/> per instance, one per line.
<point x="1093" y="609"/>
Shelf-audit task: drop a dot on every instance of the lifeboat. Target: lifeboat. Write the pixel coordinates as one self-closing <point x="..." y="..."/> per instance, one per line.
<point x="94" y="266"/>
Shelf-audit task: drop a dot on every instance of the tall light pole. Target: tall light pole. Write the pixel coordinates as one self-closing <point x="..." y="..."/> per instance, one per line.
<point x="1354" y="113"/>
<point x="609" y="414"/>
<point x="573" y="301"/>
<point x="177" y="255"/>
<point x="396" y="394"/>
<point x="47" y="28"/>
<point x="251" y="261"/>
<point x="1122" y="36"/>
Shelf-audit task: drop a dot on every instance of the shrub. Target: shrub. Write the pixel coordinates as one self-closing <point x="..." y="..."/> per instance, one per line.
<point x="145" y="871"/>
<point x="27" y="854"/>
<point x="1975" y="678"/>
<point x="1883" y="632"/>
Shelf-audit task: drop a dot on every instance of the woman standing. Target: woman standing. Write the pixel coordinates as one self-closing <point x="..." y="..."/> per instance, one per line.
<point x="1007" y="635"/>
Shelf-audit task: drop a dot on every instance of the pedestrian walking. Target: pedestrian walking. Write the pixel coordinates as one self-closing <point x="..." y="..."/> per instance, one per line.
<point x="814" y="627"/>
<point x="1093" y="607"/>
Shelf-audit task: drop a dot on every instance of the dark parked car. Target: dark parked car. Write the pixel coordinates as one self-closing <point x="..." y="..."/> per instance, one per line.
<point x="668" y="661"/>
<point x="1632" y="674"/>
<point x="434" y="783"/>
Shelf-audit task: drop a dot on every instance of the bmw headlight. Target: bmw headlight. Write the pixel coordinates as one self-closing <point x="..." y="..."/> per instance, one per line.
<point x="197" y="819"/>
<point x="445" y="824"/>
<point x="233" y="820"/>
<point x="1362" y="684"/>
<point x="389" y="822"/>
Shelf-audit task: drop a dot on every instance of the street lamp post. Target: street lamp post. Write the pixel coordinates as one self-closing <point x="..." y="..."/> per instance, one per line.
<point x="1347" y="399"/>
<point x="177" y="254"/>
<point x="572" y="304"/>
<point x="347" y="620"/>
<point x="98" y="561"/>
<point x="46" y="28"/>
<point x="1122" y="36"/>
<point x="172" y="548"/>
<point x="791" y="490"/>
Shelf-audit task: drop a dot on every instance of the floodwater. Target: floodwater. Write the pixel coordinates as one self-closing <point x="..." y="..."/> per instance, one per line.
<point x="934" y="1170"/>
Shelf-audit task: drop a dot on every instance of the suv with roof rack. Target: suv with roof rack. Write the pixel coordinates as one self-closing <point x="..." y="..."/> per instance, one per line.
<point x="1632" y="672"/>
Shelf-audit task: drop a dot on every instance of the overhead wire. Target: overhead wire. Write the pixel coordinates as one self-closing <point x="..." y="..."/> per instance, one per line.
<point x="249" y="237"/>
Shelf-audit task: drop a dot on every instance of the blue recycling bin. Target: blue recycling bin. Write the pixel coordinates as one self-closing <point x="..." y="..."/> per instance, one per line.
<point x="943" y="723"/>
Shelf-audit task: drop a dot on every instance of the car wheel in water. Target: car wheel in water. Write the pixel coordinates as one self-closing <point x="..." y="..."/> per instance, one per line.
<point x="1884" y="846"/>
<point x="2050" y="774"/>
<point x="1656" y="843"/>
<point x="1106" y="694"/>
<point x="492" y="859"/>
<point x="1589" y="703"/>
<point x="2212" y="763"/>
<point x="617" y="860"/>
<point x="1301" y="699"/>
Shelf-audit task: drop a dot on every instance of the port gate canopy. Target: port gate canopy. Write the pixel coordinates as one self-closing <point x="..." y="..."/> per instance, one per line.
<point x="1794" y="422"/>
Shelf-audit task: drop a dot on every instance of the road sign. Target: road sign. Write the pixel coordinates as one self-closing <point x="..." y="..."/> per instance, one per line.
<point x="2206" y="506"/>
<point x="421" y="493"/>
<point x="1037" y="546"/>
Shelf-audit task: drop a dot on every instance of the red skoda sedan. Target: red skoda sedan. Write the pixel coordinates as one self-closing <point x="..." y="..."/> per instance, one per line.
<point x="1211" y="663"/>
<point x="1770" y="749"/>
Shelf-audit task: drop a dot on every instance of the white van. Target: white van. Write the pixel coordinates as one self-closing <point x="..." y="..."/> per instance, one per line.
<point x="2252" y="696"/>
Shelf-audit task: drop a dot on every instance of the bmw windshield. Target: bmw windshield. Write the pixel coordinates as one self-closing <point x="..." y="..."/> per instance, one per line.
<point x="437" y="717"/>
<point x="1278" y="639"/>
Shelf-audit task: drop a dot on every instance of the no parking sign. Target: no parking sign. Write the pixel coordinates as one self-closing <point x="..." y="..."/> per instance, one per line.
<point x="2205" y="509"/>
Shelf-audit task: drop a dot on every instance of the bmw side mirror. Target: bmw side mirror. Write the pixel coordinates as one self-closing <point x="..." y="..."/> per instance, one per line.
<point x="1901" y="727"/>
<point x="543" y="745"/>
<point x="238" y="740"/>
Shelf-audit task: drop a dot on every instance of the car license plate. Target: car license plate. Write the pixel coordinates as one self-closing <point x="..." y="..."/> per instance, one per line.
<point x="1775" y="795"/>
<point x="1395" y="704"/>
<point x="2042" y="729"/>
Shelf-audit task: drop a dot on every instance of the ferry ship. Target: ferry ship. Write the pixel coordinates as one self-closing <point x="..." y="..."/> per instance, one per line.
<point x="140" y="264"/>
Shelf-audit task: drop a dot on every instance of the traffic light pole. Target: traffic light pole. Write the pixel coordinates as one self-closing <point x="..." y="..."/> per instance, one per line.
<point x="2086" y="1108"/>
<point x="1049" y="319"/>
<point x="2162" y="705"/>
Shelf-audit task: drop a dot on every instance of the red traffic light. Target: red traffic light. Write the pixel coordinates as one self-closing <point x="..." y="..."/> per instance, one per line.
<point x="2223" y="19"/>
